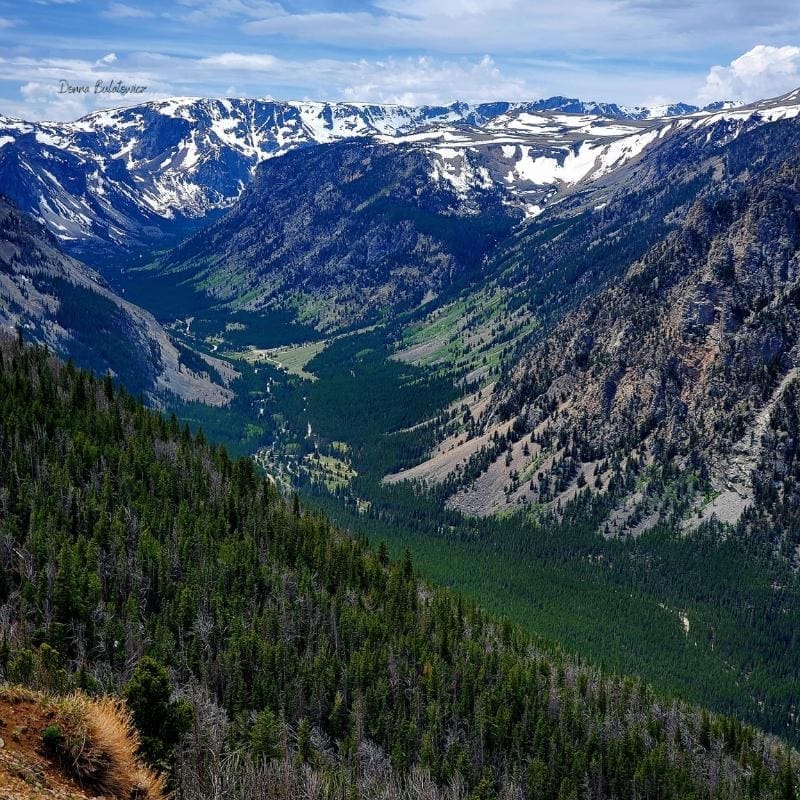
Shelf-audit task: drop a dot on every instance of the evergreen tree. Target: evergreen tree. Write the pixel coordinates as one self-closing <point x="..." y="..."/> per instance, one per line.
<point x="160" y="720"/>
<point x="265" y="735"/>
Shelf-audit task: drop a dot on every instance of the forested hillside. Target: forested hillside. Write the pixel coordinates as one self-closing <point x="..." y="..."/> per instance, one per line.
<point x="305" y="663"/>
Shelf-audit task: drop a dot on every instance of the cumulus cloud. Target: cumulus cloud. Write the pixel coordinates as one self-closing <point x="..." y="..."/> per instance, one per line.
<point x="763" y="71"/>
<point x="428" y="81"/>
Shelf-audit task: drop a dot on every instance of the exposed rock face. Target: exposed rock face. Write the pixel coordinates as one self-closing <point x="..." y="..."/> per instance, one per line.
<point x="664" y="385"/>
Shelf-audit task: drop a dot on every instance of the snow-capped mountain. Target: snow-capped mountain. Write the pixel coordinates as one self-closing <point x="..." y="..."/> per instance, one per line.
<point x="571" y="105"/>
<point x="122" y="177"/>
<point x="119" y="178"/>
<point x="115" y="180"/>
<point x="538" y="156"/>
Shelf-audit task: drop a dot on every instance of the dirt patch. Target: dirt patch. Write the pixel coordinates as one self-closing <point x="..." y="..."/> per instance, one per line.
<point x="25" y="770"/>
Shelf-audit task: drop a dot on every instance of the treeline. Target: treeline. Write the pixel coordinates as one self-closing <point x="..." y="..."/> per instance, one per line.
<point x="298" y="653"/>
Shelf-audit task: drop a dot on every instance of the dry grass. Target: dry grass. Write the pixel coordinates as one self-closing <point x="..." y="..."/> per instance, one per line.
<point x="18" y="694"/>
<point x="101" y="747"/>
<point x="97" y="751"/>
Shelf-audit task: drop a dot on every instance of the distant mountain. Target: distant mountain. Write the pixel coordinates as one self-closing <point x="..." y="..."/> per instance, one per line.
<point x="540" y="156"/>
<point x="349" y="231"/>
<point x="571" y="105"/>
<point x="116" y="180"/>
<point x="56" y="300"/>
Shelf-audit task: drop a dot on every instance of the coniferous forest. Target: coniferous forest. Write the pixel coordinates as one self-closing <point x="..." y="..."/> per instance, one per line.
<point x="265" y="653"/>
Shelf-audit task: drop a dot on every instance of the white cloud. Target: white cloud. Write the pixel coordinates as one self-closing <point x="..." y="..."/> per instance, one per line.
<point x="449" y="26"/>
<point x="412" y="80"/>
<point x="428" y="81"/>
<point x="246" y="62"/>
<point x="763" y="71"/>
<point x="613" y="30"/>
<point x="6" y="23"/>
<point x="124" y="11"/>
<point x="44" y="95"/>
<point x="30" y="86"/>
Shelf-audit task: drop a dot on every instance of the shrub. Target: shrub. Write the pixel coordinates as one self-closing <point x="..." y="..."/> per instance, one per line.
<point x="52" y="738"/>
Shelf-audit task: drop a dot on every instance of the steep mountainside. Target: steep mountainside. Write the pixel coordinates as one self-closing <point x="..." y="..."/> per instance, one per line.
<point x="343" y="234"/>
<point x="307" y="664"/>
<point x="116" y="180"/>
<point x="666" y="381"/>
<point x="60" y="302"/>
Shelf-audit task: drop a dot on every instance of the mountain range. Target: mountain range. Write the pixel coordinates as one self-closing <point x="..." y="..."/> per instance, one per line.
<point x="341" y="215"/>
<point x="117" y="180"/>
<point x="550" y="347"/>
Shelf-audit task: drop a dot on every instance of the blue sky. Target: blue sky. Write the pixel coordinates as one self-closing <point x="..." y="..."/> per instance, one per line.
<point x="409" y="51"/>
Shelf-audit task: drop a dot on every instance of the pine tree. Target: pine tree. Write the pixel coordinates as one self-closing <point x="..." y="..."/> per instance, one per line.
<point x="787" y="782"/>
<point x="305" y="750"/>
<point x="160" y="720"/>
<point x="265" y="735"/>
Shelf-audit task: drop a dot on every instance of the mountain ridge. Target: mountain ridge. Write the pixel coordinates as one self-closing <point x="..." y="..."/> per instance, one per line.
<point x="58" y="301"/>
<point x="121" y="179"/>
